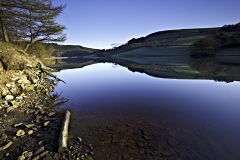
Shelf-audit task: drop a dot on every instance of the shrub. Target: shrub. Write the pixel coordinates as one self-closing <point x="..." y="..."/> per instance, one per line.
<point x="206" y="46"/>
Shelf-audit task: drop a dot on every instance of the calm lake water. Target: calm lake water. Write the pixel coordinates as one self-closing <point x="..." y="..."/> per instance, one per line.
<point x="130" y="115"/>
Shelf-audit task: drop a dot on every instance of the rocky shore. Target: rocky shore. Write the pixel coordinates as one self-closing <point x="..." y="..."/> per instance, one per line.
<point x="29" y="128"/>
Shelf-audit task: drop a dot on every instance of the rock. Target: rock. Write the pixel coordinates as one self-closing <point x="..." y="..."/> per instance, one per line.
<point x="39" y="107"/>
<point x="30" y="132"/>
<point x="90" y="146"/>
<point x="29" y="65"/>
<point x="20" y="133"/>
<point x="40" y="143"/>
<point x="16" y="125"/>
<point x="23" y="80"/>
<point x="15" y="104"/>
<point x="33" y="79"/>
<point x="28" y="88"/>
<point x="12" y="88"/>
<point x="27" y="154"/>
<point x="89" y="158"/>
<point x="19" y="98"/>
<point x="46" y="123"/>
<point x="29" y="125"/>
<point x="9" y="97"/>
<point x="4" y="91"/>
<point x="7" y="154"/>
<point x="79" y="139"/>
<point x="10" y="109"/>
<point x="22" y="157"/>
<point x="51" y="114"/>
<point x="39" y="150"/>
<point x="6" y="146"/>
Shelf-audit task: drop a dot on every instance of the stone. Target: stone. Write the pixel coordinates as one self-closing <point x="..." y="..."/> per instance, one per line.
<point x="29" y="125"/>
<point x="7" y="154"/>
<point x="90" y="146"/>
<point x="28" y="88"/>
<point x="46" y="123"/>
<point x="79" y="139"/>
<point x="51" y="114"/>
<point x="19" y="98"/>
<point x="9" y="97"/>
<point x="4" y="91"/>
<point x="10" y="109"/>
<point x="30" y="132"/>
<point x="16" y="125"/>
<point x="41" y="149"/>
<point x="22" y="157"/>
<point x="20" y="133"/>
<point x="15" y="104"/>
<point x="23" y="80"/>
<point x="27" y="154"/>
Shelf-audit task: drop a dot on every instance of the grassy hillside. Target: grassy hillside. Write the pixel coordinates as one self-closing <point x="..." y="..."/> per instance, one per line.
<point x="72" y="50"/>
<point x="166" y="43"/>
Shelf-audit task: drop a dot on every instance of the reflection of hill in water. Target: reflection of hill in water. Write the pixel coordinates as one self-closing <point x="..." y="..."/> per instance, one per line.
<point x="71" y="63"/>
<point x="191" y="68"/>
<point x="201" y="68"/>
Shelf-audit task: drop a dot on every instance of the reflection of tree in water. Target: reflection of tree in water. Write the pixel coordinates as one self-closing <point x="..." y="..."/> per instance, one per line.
<point x="210" y="67"/>
<point x="55" y="101"/>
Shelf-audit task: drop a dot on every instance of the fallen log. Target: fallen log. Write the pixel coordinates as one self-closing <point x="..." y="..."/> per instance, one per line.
<point x="62" y="142"/>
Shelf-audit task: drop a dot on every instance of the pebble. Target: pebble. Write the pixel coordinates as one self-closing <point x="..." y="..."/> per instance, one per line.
<point x="10" y="109"/>
<point x="46" y="123"/>
<point x="7" y="154"/>
<point x="9" y="97"/>
<point x="79" y="139"/>
<point x="20" y="133"/>
<point x="39" y="150"/>
<point x="29" y="125"/>
<point x="30" y="132"/>
<point x="16" y="125"/>
<point x="52" y="114"/>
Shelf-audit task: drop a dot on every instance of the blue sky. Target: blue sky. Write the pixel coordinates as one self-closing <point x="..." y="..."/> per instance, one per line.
<point x="100" y="23"/>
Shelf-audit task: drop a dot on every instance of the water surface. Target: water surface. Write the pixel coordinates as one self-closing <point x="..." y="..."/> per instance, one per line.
<point x="131" y="115"/>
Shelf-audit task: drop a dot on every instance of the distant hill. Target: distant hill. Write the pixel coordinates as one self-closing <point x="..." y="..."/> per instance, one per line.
<point x="169" y="42"/>
<point x="72" y="50"/>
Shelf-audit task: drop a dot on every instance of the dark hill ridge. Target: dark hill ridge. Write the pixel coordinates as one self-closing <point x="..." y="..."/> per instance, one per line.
<point x="72" y="50"/>
<point x="176" y="33"/>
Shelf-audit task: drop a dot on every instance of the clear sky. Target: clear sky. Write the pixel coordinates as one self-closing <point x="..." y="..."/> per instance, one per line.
<point x="100" y="23"/>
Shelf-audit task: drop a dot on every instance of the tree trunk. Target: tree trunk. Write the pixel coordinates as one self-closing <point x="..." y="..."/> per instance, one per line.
<point x="4" y="30"/>
<point x="27" y="46"/>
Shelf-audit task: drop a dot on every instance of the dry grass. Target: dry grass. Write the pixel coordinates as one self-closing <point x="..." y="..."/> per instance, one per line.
<point x="13" y="58"/>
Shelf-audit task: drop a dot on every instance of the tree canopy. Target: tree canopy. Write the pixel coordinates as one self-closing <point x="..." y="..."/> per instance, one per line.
<point x="31" y="21"/>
